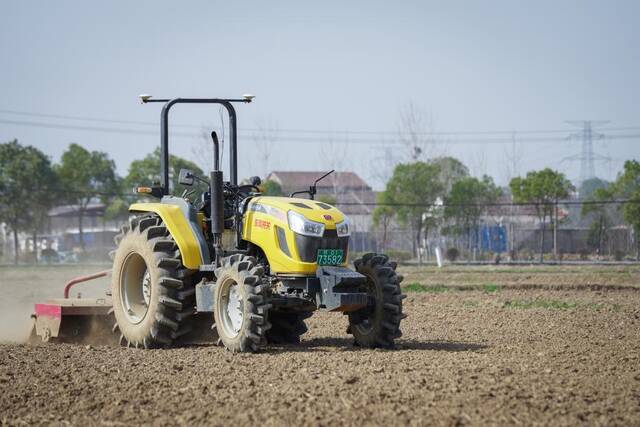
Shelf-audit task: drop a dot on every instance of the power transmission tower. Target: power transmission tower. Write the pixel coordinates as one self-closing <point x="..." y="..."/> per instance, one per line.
<point x="587" y="155"/>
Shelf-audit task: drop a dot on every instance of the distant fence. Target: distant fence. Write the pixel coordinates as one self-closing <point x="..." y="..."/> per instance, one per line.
<point x="517" y="244"/>
<point x="513" y="231"/>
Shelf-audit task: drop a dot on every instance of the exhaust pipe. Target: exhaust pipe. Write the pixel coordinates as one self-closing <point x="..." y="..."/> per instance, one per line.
<point x="217" y="199"/>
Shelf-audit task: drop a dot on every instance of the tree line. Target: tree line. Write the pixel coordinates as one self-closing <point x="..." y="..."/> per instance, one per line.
<point x="440" y="194"/>
<point x="31" y="184"/>
<point x="604" y="216"/>
<point x="422" y="196"/>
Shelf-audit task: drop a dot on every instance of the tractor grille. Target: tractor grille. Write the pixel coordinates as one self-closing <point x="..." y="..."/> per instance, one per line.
<point x="308" y="246"/>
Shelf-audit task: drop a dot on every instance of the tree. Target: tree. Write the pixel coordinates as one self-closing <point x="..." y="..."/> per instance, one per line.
<point x="513" y="155"/>
<point x="271" y="188"/>
<point x="627" y="185"/>
<point x="382" y="216"/>
<point x="118" y="208"/>
<point x="84" y="176"/>
<point x="597" y="235"/>
<point x="542" y="188"/>
<point x="27" y="191"/>
<point x="451" y="170"/>
<point x="329" y="199"/>
<point x="146" y="172"/>
<point x="415" y="187"/>
<point x="600" y="214"/>
<point x="590" y="186"/>
<point x="466" y="202"/>
<point x="415" y="131"/>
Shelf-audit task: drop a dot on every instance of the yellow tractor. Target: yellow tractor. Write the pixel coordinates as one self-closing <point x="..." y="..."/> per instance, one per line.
<point x="255" y="266"/>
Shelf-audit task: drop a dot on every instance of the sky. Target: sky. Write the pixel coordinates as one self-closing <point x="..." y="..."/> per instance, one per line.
<point x="332" y="81"/>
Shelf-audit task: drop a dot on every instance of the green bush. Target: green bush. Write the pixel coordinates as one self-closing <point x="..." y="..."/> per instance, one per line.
<point x="490" y="288"/>
<point x="452" y="254"/>
<point x="584" y="254"/>
<point x="526" y="255"/>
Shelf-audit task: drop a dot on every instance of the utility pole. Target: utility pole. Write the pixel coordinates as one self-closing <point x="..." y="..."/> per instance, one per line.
<point x="512" y="170"/>
<point x="555" y="229"/>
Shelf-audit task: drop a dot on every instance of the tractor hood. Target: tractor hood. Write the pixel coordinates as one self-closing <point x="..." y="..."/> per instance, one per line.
<point x="313" y="210"/>
<point x="292" y="231"/>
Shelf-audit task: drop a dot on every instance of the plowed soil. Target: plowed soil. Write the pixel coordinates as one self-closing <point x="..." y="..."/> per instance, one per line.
<point x="498" y="355"/>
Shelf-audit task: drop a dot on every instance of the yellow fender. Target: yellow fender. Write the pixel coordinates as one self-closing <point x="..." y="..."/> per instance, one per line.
<point x="181" y="230"/>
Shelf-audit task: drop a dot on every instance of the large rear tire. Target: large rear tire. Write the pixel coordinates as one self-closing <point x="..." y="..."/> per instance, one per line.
<point x="240" y="304"/>
<point x="379" y="325"/>
<point x="153" y="297"/>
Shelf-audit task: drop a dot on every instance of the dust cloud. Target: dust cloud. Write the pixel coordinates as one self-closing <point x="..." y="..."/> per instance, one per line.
<point x="24" y="286"/>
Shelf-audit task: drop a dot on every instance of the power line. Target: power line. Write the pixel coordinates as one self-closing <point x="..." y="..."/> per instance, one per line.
<point x="505" y="204"/>
<point x="374" y="204"/>
<point x="308" y="131"/>
<point x="89" y="119"/>
<point x="87" y="128"/>
<point x="305" y="139"/>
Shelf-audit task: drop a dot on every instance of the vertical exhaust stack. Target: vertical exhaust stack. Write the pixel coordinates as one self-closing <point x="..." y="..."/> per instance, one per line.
<point x="217" y="199"/>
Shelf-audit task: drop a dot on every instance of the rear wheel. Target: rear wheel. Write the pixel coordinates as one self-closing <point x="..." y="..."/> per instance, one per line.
<point x="378" y="325"/>
<point x="153" y="298"/>
<point x="240" y="304"/>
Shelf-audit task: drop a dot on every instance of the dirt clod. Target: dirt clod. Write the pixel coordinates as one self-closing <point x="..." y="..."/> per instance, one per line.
<point x="351" y="380"/>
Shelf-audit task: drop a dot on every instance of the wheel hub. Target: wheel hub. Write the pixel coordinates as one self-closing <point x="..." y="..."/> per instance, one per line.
<point x="135" y="288"/>
<point x="365" y="316"/>
<point x="146" y="288"/>
<point x="233" y="310"/>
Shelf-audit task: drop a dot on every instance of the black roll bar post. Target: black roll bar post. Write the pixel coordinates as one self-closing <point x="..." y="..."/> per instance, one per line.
<point x="164" y="133"/>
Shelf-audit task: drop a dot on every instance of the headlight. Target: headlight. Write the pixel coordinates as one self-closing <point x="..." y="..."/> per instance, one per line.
<point x="343" y="228"/>
<point x="302" y="225"/>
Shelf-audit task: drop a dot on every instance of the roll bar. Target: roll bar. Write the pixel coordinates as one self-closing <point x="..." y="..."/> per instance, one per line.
<point x="164" y="132"/>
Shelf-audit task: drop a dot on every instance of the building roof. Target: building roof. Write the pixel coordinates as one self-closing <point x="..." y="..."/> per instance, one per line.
<point x="304" y="179"/>
<point x="353" y="194"/>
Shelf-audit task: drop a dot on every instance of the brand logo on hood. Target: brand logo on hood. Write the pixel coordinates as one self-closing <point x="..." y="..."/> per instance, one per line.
<point x="327" y="217"/>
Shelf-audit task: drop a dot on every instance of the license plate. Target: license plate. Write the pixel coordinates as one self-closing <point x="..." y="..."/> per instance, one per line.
<point x="330" y="256"/>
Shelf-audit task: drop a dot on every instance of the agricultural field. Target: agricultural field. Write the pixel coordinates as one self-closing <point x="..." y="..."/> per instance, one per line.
<point x="500" y="345"/>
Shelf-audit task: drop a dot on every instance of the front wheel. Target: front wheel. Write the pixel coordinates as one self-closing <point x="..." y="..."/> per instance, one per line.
<point x="378" y="325"/>
<point x="240" y="304"/>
